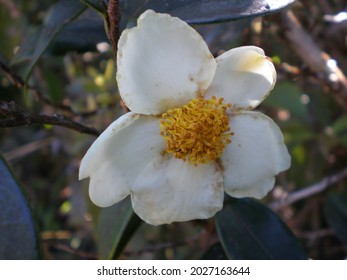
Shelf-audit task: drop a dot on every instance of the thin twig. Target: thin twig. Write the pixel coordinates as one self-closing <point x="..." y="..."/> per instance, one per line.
<point x="314" y="235"/>
<point x="27" y="149"/>
<point x="113" y="23"/>
<point x="17" y="116"/>
<point x="17" y="81"/>
<point x="68" y="249"/>
<point x="309" y="191"/>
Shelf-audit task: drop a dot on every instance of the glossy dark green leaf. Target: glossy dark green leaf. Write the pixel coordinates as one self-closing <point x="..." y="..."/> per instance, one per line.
<point x="81" y="35"/>
<point x="203" y="11"/>
<point x="335" y="211"/>
<point x="115" y="227"/>
<point x="250" y="230"/>
<point x="61" y="14"/>
<point x="98" y="5"/>
<point x="18" y="236"/>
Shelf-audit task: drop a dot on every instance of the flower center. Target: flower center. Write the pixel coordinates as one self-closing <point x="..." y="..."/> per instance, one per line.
<point x="197" y="132"/>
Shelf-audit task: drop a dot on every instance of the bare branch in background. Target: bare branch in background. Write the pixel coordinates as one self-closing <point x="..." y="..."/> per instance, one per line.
<point x="319" y="62"/>
<point x="309" y="191"/>
<point x="27" y="149"/>
<point x="16" y="116"/>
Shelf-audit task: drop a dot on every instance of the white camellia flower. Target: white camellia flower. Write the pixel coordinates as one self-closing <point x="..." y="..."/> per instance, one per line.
<point x="191" y="134"/>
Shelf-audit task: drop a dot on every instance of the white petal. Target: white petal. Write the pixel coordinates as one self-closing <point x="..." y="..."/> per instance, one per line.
<point x="120" y="153"/>
<point x="256" y="154"/>
<point x="171" y="190"/>
<point x="162" y="63"/>
<point x="244" y="77"/>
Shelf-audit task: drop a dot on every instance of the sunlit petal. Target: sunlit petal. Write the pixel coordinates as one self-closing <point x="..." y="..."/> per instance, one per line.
<point x="162" y="63"/>
<point x="257" y="153"/>
<point x="119" y="154"/>
<point x="170" y="190"/>
<point x="244" y="77"/>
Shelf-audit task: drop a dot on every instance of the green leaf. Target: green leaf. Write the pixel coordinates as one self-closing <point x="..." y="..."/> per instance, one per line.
<point x="297" y="132"/>
<point x="98" y="5"/>
<point x="202" y="11"/>
<point x="18" y="238"/>
<point x="115" y="227"/>
<point x="81" y="35"/>
<point x="340" y="130"/>
<point x="335" y="211"/>
<point x="340" y="126"/>
<point x="250" y="230"/>
<point x="288" y="96"/>
<point x="61" y="14"/>
<point x="8" y="39"/>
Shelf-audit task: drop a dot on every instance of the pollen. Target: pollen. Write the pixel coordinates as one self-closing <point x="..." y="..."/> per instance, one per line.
<point x="198" y="132"/>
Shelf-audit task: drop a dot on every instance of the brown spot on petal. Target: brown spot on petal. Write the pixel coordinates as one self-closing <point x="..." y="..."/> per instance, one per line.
<point x="219" y="165"/>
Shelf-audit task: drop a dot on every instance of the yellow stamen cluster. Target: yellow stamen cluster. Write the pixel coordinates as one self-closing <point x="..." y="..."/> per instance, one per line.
<point x="197" y="132"/>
